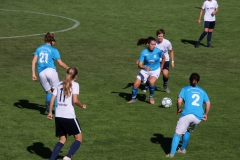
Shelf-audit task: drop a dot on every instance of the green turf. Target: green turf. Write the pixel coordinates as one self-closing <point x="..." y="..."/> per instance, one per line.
<point x="103" y="47"/>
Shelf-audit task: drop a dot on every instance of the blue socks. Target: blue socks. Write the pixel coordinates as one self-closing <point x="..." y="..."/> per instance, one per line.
<point x="55" y="104"/>
<point x="175" y="142"/>
<point x="151" y="89"/>
<point x="134" y="93"/>
<point x="56" y="150"/>
<point x="185" y="140"/>
<point x="48" y="98"/>
<point x="74" y="147"/>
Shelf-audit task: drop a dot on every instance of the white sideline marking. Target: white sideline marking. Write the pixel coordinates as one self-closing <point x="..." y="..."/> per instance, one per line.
<point x="77" y="23"/>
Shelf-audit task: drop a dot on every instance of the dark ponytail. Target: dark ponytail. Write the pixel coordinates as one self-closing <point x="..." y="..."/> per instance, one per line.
<point x="145" y="41"/>
<point x="194" y="79"/>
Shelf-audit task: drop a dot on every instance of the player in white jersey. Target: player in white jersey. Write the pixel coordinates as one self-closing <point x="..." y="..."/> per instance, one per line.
<point x="165" y="45"/>
<point x="66" y="122"/>
<point x="211" y="8"/>
<point x="44" y="56"/>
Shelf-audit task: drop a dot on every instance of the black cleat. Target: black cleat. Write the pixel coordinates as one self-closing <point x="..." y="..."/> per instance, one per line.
<point x="197" y="44"/>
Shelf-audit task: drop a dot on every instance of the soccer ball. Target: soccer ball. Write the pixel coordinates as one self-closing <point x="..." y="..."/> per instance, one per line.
<point x="166" y="102"/>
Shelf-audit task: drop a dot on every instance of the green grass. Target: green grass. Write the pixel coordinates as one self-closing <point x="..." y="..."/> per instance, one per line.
<point x="103" y="47"/>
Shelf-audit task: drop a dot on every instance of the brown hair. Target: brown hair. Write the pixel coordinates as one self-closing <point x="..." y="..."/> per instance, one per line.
<point x="67" y="82"/>
<point x="49" y="37"/>
<point x="194" y="79"/>
<point x="160" y="31"/>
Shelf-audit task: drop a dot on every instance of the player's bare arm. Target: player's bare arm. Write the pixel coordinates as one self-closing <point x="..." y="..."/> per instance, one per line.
<point x="215" y="12"/>
<point x="34" y="61"/>
<point x="141" y="66"/>
<point x="172" y="57"/>
<point x="179" y="103"/>
<point x="62" y="64"/>
<point x="200" y="16"/>
<point x="77" y="102"/>
<point x="207" y="108"/>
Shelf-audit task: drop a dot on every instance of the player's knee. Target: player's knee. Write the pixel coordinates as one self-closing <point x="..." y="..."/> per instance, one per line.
<point x="78" y="137"/>
<point x="63" y="139"/>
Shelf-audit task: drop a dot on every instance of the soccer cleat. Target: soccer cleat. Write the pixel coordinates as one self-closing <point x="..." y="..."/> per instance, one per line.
<point x="144" y="90"/>
<point x="151" y="100"/>
<point x="170" y="155"/>
<point x="132" y="101"/>
<point x="181" y="151"/>
<point x="197" y="44"/>
<point x="66" y="158"/>
<point x="167" y="89"/>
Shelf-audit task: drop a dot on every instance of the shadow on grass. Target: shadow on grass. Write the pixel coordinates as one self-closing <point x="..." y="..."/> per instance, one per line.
<point x="141" y="87"/>
<point x="165" y="142"/>
<point x="39" y="149"/>
<point x="192" y="42"/>
<point x="128" y="96"/>
<point x="23" y="103"/>
<point x="198" y="7"/>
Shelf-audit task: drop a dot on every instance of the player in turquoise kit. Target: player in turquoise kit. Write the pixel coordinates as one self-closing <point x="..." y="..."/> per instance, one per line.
<point x="193" y="113"/>
<point x="44" y="56"/>
<point x="150" y="65"/>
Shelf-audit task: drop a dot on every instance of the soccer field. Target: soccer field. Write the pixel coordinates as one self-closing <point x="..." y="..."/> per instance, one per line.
<point x="99" y="37"/>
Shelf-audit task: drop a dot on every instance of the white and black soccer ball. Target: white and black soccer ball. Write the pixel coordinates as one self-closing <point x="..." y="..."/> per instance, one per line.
<point x="166" y="102"/>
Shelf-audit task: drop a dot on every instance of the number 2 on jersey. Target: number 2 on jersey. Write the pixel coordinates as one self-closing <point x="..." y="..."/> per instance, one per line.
<point x="196" y="98"/>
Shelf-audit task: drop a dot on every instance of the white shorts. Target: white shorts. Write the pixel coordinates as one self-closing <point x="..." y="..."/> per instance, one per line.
<point x="187" y="122"/>
<point x="144" y="75"/>
<point x="48" y="78"/>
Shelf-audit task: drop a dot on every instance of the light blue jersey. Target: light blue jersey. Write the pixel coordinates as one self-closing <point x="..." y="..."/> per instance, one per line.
<point x="193" y="97"/>
<point x="46" y="57"/>
<point x="151" y="59"/>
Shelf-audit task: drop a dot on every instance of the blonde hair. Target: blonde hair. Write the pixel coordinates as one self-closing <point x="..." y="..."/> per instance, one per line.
<point x="67" y="82"/>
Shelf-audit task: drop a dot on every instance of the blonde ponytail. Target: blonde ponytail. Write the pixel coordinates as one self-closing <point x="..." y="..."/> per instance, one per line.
<point x="67" y="82"/>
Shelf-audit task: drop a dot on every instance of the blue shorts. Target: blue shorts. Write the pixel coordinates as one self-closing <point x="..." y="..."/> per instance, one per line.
<point x="209" y="25"/>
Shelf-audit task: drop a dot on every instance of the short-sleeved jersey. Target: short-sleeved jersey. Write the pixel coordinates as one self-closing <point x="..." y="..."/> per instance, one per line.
<point x="46" y="56"/>
<point x="151" y="59"/>
<point x="193" y="97"/>
<point x="65" y="107"/>
<point x="165" y="46"/>
<point x="209" y="7"/>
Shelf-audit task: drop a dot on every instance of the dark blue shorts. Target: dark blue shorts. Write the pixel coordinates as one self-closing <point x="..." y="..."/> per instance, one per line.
<point x="209" y="25"/>
<point x="166" y="65"/>
<point x="66" y="126"/>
